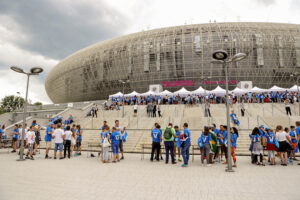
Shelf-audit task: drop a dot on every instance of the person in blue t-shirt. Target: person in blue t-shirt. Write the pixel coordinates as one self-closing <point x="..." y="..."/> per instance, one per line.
<point x="294" y="142"/>
<point x="234" y="119"/>
<point x="257" y="149"/>
<point x="156" y="138"/>
<point x="223" y="141"/>
<point x="270" y="135"/>
<point x="298" y="134"/>
<point x="177" y="142"/>
<point x="218" y="147"/>
<point x="15" y="138"/>
<point x="115" y="142"/>
<point x="48" y="138"/>
<point x="234" y="136"/>
<point x="185" y="149"/>
<point x="205" y="145"/>
<point x="105" y="149"/>
<point x="78" y="139"/>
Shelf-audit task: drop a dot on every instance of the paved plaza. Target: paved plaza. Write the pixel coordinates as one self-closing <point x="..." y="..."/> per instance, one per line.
<point x="133" y="178"/>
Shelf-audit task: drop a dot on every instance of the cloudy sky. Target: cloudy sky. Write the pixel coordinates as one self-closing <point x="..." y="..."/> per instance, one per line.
<point x="41" y="33"/>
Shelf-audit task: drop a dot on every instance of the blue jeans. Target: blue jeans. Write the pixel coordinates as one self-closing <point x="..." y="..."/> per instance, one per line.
<point x="115" y="148"/>
<point x="185" y="151"/>
<point x="169" y="146"/>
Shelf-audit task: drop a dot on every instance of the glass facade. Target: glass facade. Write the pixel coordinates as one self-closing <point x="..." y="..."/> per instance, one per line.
<point x="178" y="53"/>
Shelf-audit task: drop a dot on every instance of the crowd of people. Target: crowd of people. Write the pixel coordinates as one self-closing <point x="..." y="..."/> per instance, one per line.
<point x="265" y="97"/>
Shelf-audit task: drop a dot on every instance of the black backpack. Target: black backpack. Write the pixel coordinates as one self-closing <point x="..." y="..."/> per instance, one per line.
<point x="168" y="133"/>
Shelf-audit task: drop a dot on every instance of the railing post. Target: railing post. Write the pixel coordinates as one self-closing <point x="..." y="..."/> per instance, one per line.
<point x="257" y="120"/>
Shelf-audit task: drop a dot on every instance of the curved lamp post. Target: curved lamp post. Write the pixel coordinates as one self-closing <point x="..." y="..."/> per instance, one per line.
<point x="33" y="71"/>
<point x="222" y="57"/>
<point x="123" y="83"/>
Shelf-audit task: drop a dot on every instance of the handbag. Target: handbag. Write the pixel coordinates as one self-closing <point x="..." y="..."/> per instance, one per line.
<point x="105" y="143"/>
<point x="276" y="143"/>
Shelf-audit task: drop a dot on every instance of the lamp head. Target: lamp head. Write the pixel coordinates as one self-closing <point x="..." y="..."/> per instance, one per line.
<point x="220" y="55"/>
<point x="36" y="70"/>
<point x="17" y="69"/>
<point x="238" y="57"/>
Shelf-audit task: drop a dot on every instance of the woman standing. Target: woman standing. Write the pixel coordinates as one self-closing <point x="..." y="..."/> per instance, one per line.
<point x="283" y="139"/>
<point x="105" y="144"/>
<point x="78" y="139"/>
<point x="287" y="106"/>
<point x="73" y="140"/>
<point x="158" y="110"/>
<point x="234" y="136"/>
<point x="205" y="145"/>
<point x="257" y="149"/>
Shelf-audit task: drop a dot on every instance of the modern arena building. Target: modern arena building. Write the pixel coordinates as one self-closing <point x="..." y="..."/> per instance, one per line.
<point x="181" y="53"/>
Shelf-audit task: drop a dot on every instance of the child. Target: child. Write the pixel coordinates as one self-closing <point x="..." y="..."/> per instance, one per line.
<point x="177" y="142"/>
<point x="234" y="136"/>
<point x="270" y="135"/>
<point x="115" y="142"/>
<point x="30" y="139"/>
<point x="257" y="149"/>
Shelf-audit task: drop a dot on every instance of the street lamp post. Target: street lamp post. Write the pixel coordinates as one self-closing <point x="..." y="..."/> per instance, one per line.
<point x="297" y="75"/>
<point x="221" y="57"/>
<point x="123" y="83"/>
<point x="33" y="71"/>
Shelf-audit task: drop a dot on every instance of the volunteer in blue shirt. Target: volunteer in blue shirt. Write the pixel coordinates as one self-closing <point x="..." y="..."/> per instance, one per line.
<point x="270" y="135"/>
<point x="234" y="119"/>
<point x="115" y="142"/>
<point x="298" y="134"/>
<point x="223" y="141"/>
<point x="105" y="149"/>
<point x="156" y="138"/>
<point x="205" y="145"/>
<point x="294" y="142"/>
<point x="185" y="149"/>
<point x="48" y="138"/>
<point x="234" y="136"/>
<point x="78" y="139"/>
<point x="177" y="142"/>
<point x="15" y="138"/>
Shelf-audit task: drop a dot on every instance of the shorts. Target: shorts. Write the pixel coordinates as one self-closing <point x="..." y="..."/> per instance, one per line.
<point x="58" y="145"/>
<point x="135" y="111"/>
<point x="121" y="146"/>
<point x="15" y="139"/>
<point x="30" y="148"/>
<point x="48" y="145"/>
<point x="78" y="143"/>
<point x="115" y="148"/>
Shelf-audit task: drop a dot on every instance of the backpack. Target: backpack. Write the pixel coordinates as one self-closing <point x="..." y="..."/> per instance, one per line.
<point x="168" y="133"/>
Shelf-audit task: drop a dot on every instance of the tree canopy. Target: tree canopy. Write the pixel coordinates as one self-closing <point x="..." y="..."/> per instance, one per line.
<point x="12" y="103"/>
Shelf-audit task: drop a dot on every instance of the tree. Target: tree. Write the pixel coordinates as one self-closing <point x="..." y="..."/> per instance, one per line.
<point x="38" y="103"/>
<point x="12" y="103"/>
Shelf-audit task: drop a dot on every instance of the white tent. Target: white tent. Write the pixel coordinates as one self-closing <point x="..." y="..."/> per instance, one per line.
<point x="149" y="93"/>
<point x="182" y="92"/>
<point x="294" y="88"/>
<point x="200" y="91"/>
<point x="238" y="91"/>
<point x="132" y="94"/>
<point x="165" y="93"/>
<point x="257" y="90"/>
<point x="119" y="94"/>
<point x="218" y="91"/>
<point x="276" y="89"/>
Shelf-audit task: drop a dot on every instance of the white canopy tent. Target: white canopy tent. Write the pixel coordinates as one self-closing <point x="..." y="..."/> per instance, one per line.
<point x="238" y="91"/>
<point x="257" y="90"/>
<point x="118" y="94"/>
<point x="218" y="91"/>
<point x="149" y="93"/>
<point x="165" y="93"/>
<point x="294" y="88"/>
<point x="277" y="89"/>
<point x="200" y="91"/>
<point x="182" y="92"/>
<point x="132" y="94"/>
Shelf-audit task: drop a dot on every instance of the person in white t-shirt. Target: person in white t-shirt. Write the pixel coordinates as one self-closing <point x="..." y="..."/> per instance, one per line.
<point x="283" y="139"/>
<point x="135" y="108"/>
<point x="58" y="135"/>
<point x="30" y="139"/>
<point x="67" y="138"/>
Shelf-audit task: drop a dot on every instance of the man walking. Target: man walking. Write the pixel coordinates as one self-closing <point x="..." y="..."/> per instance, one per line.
<point x="168" y="134"/>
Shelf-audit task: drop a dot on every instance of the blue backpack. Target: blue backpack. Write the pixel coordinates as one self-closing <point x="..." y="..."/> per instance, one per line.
<point x="124" y="137"/>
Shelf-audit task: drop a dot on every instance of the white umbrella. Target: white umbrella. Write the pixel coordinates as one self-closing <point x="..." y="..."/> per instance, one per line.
<point x="277" y="89"/>
<point x="119" y="94"/>
<point x="200" y="91"/>
<point x="165" y="93"/>
<point x="258" y="90"/>
<point x="132" y="94"/>
<point x="294" y="88"/>
<point x="182" y="92"/>
<point x="218" y="91"/>
<point x="238" y="91"/>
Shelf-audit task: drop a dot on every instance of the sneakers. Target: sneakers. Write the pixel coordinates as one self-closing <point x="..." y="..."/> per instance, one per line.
<point x="122" y="158"/>
<point x="61" y="158"/>
<point x="31" y="158"/>
<point x="54" y="157"/>
<point x="179" y="160"/>
<point x="27" y="157"/>
<point x="161" y="158"/>
<point x="174" y="163"/>
<point x="183" y="165"/>
<point x="13" y="151"/>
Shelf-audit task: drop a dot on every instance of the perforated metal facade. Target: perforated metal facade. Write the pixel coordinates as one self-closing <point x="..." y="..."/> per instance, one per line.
<point x="178" y="53"/>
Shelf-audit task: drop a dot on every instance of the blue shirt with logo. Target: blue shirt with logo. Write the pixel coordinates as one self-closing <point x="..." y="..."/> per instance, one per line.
<point x="104" y="135"/>
<point x="224" y="134"/>
<point x="205" y="139"/>
<point x="270" y="137"/>
<point x="115" y="137"/>
<point x="48" y="137"/>
<point x="233" y="139"/>
<point x="178" y="139"/>
<point x="16" y="133"/>
<point x="187" y="135"/>
<point x="255" y="138"/>
<point x="79" y="137"/>
<point x="156" y="135"/>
